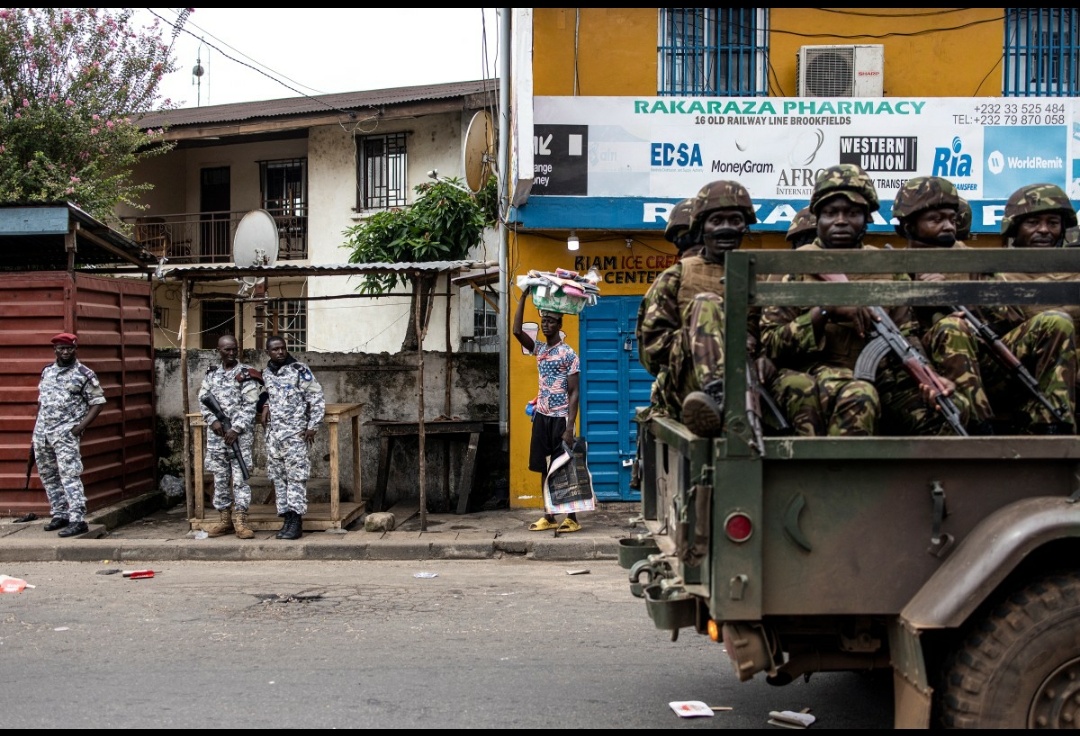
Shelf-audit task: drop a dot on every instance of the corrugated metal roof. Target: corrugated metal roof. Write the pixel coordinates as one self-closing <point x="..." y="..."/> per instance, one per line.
<point x="321" y="104"/>
<point x="223" y="271"/>
<point x="32" y="238"/>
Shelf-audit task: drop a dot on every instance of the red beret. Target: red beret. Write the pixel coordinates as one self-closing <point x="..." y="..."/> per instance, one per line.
<point x="64" y="338"/>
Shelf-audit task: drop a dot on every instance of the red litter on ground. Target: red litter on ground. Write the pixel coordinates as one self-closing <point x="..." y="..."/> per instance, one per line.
<point x="13" y="585"/>
<point x="136" y="574"/>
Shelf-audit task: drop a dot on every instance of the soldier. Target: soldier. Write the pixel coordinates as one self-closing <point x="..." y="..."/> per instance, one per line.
<point x="295" y="406"/>
<point x="803" y="228"/>
<point x="236" y="387"/>
<point x="677" y="231"/>
<point x="1037" y="216"/>
<point x="963" y="220"/>
<point x="815" y="349"/>
<point x="927" y="209"/>
<point x="69" y="399"/>
<point x="680" y="322"/>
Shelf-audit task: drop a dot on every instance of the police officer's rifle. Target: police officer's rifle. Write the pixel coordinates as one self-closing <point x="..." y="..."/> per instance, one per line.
<point x="30" y="461"/>
<point x="212" y="404"/>
<point x="1009" y="361"/>
<point x="756" y="393"/>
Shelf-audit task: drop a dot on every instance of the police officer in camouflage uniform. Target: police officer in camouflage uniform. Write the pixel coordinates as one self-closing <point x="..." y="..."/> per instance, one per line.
<point x="236" y="387"/>
<point x="677" y="231"/>
<point x="680" y="321"/>
<point x="69" y="399"/>
<point x="295" y="406"/>
<point x="803" y="228"/>
<point x="1037" y="216"/>
<point x="815" y="349"/>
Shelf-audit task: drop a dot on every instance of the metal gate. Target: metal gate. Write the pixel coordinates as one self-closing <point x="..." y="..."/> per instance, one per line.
<point x="613" y="385"/>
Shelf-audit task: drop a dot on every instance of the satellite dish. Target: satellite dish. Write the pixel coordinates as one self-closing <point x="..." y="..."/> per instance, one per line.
<point x="256" y="240"/>
<point x="478" y="151"/>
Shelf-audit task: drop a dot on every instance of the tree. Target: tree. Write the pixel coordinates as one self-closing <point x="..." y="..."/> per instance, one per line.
<point x="444" y="224"/>
<point x="74" y="83"/>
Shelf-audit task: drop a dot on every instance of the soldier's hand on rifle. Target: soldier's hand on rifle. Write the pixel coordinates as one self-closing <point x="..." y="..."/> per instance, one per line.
<point x="230" y="437"/>
<point x="929" y="393"/>
<point x="217" y="429"/>
<point x="309" y="436"/>
<point x="766" y="370"/>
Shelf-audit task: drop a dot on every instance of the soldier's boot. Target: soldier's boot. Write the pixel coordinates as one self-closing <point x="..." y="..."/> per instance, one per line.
<point x="240" y="523"/>
<point x="703" y="411"/>
<point x="224" y="525"/>
<point x="294" y="528"/>
<point x="286" y="525"/>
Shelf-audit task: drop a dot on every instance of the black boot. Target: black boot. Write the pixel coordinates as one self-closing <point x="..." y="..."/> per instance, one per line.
<point x="57" y="522"/>
<point x="703" y="411"/>
<point x="285" y="525"/>
<point x="294" y="528"/>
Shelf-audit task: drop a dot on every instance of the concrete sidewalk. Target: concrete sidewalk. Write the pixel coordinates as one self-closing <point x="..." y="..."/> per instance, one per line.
<point x="144" y="531"/>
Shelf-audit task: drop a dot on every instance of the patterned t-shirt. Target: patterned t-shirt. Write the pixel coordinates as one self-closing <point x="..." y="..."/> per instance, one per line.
<point x="554" y="363"/>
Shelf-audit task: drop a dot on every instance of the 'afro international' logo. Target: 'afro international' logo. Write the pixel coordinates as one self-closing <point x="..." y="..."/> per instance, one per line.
<point x="950" y="162"/>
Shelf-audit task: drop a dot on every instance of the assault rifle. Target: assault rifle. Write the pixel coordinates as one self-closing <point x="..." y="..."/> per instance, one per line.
<point x="212" y="404"/>
<point x="755" y="395"/>
<point x="30" y="462"/>
<point x="1008" y="360"/>
<point x="890" y="339"/>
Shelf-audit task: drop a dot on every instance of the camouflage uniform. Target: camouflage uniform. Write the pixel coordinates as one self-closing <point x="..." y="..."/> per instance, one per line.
<point x="65" y="395"/>
<point x="803" y="226"/>
<point x="963" y="220"/>
<point x="680" y="321"/>
<point x="237" y="391"/>
<point x="1044" y="338"/>
<point x="815" y="381"/>
<point x="296" y="405"/>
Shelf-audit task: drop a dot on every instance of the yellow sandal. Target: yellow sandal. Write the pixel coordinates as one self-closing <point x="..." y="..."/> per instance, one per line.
<point x="569" y="525"/>
<point x="542" y="525"/>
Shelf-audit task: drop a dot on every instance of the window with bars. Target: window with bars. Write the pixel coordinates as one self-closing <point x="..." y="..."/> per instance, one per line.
<point x="1042" y="52"/>
<point x="713" y="51"/>
<point x="485" y="317"/>
<point x="382" y="176"/>
<point x="288" y="318"/>
<point x="284" y="195"/>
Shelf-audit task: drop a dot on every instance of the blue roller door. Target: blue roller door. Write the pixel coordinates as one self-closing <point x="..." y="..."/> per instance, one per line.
<point x="613" y="385"/>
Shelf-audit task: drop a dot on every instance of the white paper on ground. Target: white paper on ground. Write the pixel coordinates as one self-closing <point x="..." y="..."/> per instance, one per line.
<point x="690" y="708"/>
<point x="792" y="718"/>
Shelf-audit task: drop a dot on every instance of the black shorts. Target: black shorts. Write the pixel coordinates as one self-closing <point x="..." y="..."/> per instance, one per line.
<point x="547" y="441"/>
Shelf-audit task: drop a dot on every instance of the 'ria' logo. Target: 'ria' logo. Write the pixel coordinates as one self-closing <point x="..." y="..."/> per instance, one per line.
<point x="950" y="162"/>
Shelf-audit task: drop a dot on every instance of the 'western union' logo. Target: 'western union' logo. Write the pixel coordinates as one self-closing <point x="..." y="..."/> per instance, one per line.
<point x="880" y="153"/>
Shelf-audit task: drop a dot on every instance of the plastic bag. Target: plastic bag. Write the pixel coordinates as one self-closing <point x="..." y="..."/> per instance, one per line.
<point x="568" y="485"/>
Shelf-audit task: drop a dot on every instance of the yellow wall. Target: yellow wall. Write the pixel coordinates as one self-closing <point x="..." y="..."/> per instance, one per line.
<point x="928" y="53"/>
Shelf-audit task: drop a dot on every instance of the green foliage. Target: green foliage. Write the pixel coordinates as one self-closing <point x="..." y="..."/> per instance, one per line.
<point x="74" y="83"/>
<point x="444" y="224"/>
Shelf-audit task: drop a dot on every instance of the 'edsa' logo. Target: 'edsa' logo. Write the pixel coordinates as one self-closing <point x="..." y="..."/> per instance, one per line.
<point x="676" y="154"/>
<point x="950" y="162"/>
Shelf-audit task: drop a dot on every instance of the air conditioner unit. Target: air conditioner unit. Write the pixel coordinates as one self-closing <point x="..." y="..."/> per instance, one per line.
<point x="841" y="71"/>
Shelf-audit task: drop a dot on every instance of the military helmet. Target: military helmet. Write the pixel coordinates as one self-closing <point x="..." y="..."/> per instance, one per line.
<point x="721" y="195"/>
<point x="1036" y="199"/>
<point x="679" y="220"/>
<point x="922" y="193"/>
<point x="846" y="179"/>
<point x="804" y="222"/>
<point x="963" y="220"/>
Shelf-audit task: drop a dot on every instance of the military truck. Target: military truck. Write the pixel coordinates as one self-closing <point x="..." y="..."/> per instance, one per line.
<point x="952" y="560"/>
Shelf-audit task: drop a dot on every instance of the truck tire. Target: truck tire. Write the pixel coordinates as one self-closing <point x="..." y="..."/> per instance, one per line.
<point x="1019" y="665"/>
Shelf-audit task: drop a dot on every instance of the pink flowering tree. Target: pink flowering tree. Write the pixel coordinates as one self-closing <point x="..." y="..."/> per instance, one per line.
<point x="74" y="83"/>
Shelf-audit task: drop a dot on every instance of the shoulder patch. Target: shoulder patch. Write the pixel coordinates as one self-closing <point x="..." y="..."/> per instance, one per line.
<point x="85" y="371"/>
<point x="249" y="374"/>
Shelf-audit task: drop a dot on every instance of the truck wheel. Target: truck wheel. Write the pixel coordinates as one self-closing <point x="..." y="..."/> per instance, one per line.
<point x="1019" y="666"/>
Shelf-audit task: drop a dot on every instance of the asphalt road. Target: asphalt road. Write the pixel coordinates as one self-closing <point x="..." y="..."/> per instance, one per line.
<point x="486" y="644"/>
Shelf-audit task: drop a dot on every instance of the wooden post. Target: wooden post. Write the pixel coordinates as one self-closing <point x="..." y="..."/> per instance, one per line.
<point x="184" y="389"/>
<point x="420" y="403"/>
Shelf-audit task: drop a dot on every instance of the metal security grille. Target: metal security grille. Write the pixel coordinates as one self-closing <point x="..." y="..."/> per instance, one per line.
<point x="713" y="51"/>
<point x="288" y="318"/>
<point x="382" y="171"/>
<point x="1042" y="52"/>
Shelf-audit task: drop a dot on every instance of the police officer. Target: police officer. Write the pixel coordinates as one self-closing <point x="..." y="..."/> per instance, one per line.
<point x="815" y="349"/>
<point x="69" y="399"/>
<point x="963" y="220"/>
<point x="680" y="324"/>
<point x="1037" y="216"/>
<point x="803" y="228"/>
<point x="236" y="387"/>
<point x="295" y="406"/>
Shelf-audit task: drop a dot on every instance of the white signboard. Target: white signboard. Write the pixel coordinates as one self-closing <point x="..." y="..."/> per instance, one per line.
<point x="622" y="162"/>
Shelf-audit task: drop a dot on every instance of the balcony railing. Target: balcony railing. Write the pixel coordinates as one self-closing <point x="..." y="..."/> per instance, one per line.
<point x="207" y="237"/>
